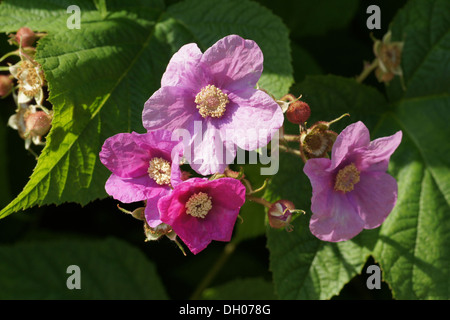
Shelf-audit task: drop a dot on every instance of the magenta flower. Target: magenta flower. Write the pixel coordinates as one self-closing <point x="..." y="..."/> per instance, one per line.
<point x="143" y="166"/>
<point x="200" y="210"/>
<point x="212" y="96"/>
<point x="352" y="191"/>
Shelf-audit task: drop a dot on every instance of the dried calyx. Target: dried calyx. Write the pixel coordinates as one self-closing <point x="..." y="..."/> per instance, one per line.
<point x="317" y="141"/>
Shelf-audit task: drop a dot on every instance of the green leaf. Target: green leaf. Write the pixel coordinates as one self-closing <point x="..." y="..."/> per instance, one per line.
<point x="100" y="75"/>
<point x="424" y="27"/>
<point x="413" y="245"/>
<point x="303" y="266"/>
<point x="108" y="269"/>
<point x="313" y="18"/>
<point x="241" y="289"/>
<point x="90" y="72"/>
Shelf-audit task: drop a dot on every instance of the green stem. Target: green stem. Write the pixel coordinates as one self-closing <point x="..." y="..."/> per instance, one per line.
<point x="16" y="52"/>
<point x="207" y="280"/>
<point x="367" y="70"/>
<point x="289" y="150"/>
<point x="291" y="137"/>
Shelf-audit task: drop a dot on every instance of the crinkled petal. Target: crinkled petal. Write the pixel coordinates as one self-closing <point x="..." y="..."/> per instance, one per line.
<point x="228" y="193"/>
<point x="218" y="225"/>
<point x="251" y="120"/>
<point x="129" y="190"/>
<point x="334" y="217"/>
<point x="170" y="108"/>
<point x="23" y="98"/>
<point x="175" y="171"/>
<point x="152" y="212"/>
<point x="374" y="197"/>
<point x="124" y="157"/>
<point x="352" y="137"/>
<point x="320" y="177"/>
<point x="158" y="143"/>
<point x="209" y="153"/>
<point x="375" y="157"/>
<point x="235" y="63"/>
<point x="184" y="68"/>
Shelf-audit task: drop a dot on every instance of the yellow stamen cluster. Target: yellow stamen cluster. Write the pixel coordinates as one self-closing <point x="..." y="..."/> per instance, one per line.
<point x="159" y="170"/>
<point x="346" y="178"/>
<point x="199" y="205"/>
<point x="211" y="102"/>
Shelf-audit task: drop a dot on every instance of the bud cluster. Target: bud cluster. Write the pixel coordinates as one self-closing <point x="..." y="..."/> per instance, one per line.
<point x="26" y="82"/>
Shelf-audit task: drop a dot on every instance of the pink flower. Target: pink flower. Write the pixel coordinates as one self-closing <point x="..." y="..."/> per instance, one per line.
<point x="212" y="96"/>
<point x="143" y="166"/>
<point x="352" y="191"/>
<point x="200" y="210"/>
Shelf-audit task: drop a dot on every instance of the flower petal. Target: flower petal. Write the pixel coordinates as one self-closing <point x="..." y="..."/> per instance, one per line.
<point x="228" y="193"/>
<point x="209" y="152"/>
<point x="218" y="224"/>
<point x="124" y="157"/>
<point x="334" y="218"/>
<point x="235" y="63"/>
<point x="251" y="120"/>
<point x="374" y="197"/>
<point x="129" y="190"/>
<point x="152" y="213"/>
<point x="354" y="136"/>
<point x="184" y="69"/>
<point x="317" y="171"/>
<point x="170" y="108"/>
<point x="375" y="157"/>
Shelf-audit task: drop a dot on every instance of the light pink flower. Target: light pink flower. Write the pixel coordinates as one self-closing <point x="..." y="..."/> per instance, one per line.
<point x="352" y="191"/>
<point x="200" y="210"/>
<point x="143" y="166"/>
<point x="216" y="91"/>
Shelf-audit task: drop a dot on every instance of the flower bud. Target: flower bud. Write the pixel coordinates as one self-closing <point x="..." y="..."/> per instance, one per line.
<point x="298" y="112"/>
<point x="38" y="123"/>
<point x="280" y="214"/>
<point x="6" y="85"/>
<point x="25" y="37"/>
<point x="160" y="230"/>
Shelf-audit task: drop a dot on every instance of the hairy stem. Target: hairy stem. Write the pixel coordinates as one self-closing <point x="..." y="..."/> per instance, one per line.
<point x="262" y="201"/>
<point x="289" y="150"/>
<point x="367" y="70"/>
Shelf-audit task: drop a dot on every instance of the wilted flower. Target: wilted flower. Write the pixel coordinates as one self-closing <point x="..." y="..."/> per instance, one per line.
<point x="215" y="89"/>
<point x="143" y="166"/>
<point x="30" y="79"/>
<point x="201" y="210"/>
<point x="389" y="58"/>
<point x="352" y="191"/>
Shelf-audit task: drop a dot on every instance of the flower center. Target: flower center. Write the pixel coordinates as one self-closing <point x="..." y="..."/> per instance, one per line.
<point x="211" y="102"/>
<point x="346" y="178"/>
<point x="199" y="205"/>
<point x="159" y="170"/>
<point x="29" y="78"/>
